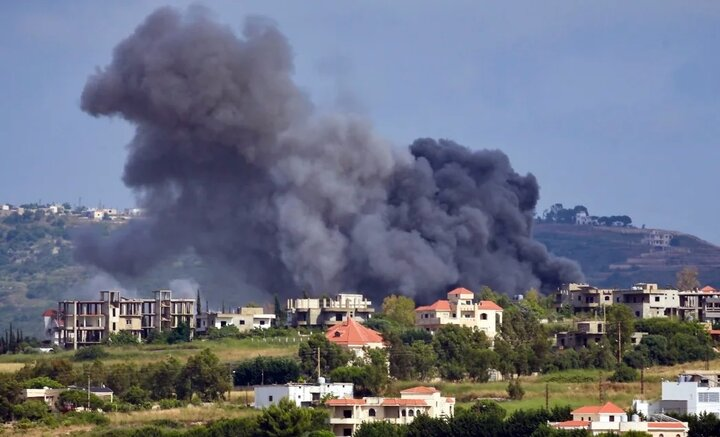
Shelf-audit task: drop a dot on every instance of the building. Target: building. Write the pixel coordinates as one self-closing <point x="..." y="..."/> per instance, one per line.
<point x="303" y="395"/>
<point x="354" y="336"/>
<point x="648" y="300"/>
<point x="583" y="298"/>
<point x="587" y="332"/>
<point x="460" y="309"/>
<point x="694" y="392"/>
<point x="51" y="327"/>
<point x="243" y="318"/>
<point x="88" y="322"/>
<point x="610" y="418"/>
<point x="324" y="312"/>
<point x="658" y="239"/>
<point x="347" y="414"/>
<point x="700" y="305"/>
<point x="50" y="395"/>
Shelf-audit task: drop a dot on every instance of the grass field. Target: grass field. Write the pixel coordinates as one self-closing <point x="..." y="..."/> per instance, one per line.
<point x="228" y="350"/>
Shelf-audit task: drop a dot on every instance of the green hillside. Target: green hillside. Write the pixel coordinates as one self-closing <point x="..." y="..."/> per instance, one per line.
<point x="618" y="257"/>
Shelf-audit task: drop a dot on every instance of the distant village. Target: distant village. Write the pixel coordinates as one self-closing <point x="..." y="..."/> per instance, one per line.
<point x="67" y="210"/>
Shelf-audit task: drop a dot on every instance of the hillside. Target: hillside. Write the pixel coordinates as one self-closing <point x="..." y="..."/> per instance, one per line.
<point x="616" y="256"/>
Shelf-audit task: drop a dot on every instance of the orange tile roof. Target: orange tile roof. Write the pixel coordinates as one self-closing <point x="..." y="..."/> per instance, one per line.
<point x="667" y="425"/>
<point x="608" y="408"/>
<point x="708" y="289"/>
<point x="489" y="305"/>
<point x="460" y="290"/>
<point x="420" y="390"/>
<point x="440" y="305"/>
<point x="344" y="402"/>
<point x="398" y="402"/>
<point x="351" y="333"/>
<point x="572" y="424"/>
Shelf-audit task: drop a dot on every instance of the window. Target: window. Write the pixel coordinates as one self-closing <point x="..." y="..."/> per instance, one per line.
<point x="417" y="413"/>
<point x="113" y="312"/>
<point x="223" y="324"/>
<point x="411" y="413"/>
<point x="338" y="317"/>
<point x="483" y="316"/>
<point x="371" y="413"/>
<point x="403" y="413"/>
<point x="269" y="398"/>
<point x="347" y="432"/>
<point x="242" y="322"/>
<point x="612" y="418"/>
<point x="114" y="327"/>
<point x="709" y="397"/>
<point x="607" y="298"/>
<point x="657" y="298"/>
<point x="637" y="313"/>
<point x="262" y="322"/>
<point x="128" y="322"/>
<point x="347" y="414"/>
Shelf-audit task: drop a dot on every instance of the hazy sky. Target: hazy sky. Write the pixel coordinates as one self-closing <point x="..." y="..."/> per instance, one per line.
<point x="615" y="105"/>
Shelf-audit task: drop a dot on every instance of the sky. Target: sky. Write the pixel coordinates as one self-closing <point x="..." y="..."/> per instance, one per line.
<point x="614" y="105"/>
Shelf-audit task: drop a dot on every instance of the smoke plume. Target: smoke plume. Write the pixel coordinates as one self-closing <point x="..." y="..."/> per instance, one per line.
<point x="230" y="159"/>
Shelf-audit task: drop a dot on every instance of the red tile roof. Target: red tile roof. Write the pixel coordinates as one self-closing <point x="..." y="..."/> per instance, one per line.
<point x="398" y="402"/>
<point x="420" y="390"/>
<point x="344" y="402"/>
<point x="608" y="408"/>
<point x="50" y="313"/>
<point x="489" y="305"/>
<point x="460" y="290"/>
<point x="708" y="289"/>
<point x="440" y="305"/>
<point x="572" y="424"/>
<point x="351" y="333"/>
<point x="667" y="425"/>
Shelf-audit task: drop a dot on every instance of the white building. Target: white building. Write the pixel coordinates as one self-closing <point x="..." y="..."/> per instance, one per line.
<point x="325" y="311"/>
<point x="245" y="319"/>
<point x="610" y="418"/>
<point x="648" y="300"/>
<point x="303" y="395"/>
<point x="461" y="309"/>
<point x="346" y="415"/>
<point x="694" y="392"/>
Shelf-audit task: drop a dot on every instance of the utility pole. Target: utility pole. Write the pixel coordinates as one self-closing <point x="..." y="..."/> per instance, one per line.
<point x="642" y="380"/>
<point x="600" y="387"/>
<point x="619" y="343"/>
<point x="88" y="394"/>
<point x="547" y="397"/>
<point x="318" y="360"/>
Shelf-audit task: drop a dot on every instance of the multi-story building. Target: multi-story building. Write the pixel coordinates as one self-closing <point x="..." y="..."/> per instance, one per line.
<point x="346" y="415"/>
<point x="587" y="332"/>
<point x="303" y="395"/>
<point x="694" y="392"/>
<point x="609" y="418"/>
<point x="323" y="312"/>
<point x="461" y="309"/>
<point x="88" y="322"/>
<point x="700" y="305"/>
<point x="647" y="300"/>
<point x="583" y="298"/>
<point x="243" y="318"/>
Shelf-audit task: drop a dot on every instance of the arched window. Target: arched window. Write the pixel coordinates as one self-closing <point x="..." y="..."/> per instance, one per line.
<point x="371" y="413"/>
<point x="402" y="413"/>
<point x="417" y="413"/>
<point x="411" y="413"/>
<point x="483" y="316"/>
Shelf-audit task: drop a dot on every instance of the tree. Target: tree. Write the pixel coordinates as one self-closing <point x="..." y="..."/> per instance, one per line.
<point x="620" y="326"/>
<point x="31" y="410"/>
<point x="136" y="396"/>
<point x="380" y="429"/>
<point x="399" y="309"/>
<point x="162" y="378"/>
<point x="10" y="395"/>
<point x="285" y="419"/>
<point x="205" y="376"/>
<point x="90" y="353"/>
<point x="331" y="355"/>
<point x="624" y="373"/>
<point x="72" y="399"/>
<point x="456" y="348"/>
<point x="488" y="408"/>
<point x="41" y="382"/>
<point x="267" y="370"/>
<point x="121" y="338"/>
<point x="181" y="334"/>
<point x="279" y="313"/>
<point x="515" y="390"/>
<point x="687" y="279"/>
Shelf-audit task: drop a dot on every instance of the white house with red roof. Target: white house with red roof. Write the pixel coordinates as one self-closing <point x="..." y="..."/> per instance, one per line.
<point x="354" y="336"/>
<point x="346" y="415"/>
<point x="460" y="308"/>
<point x="607" y="418"/>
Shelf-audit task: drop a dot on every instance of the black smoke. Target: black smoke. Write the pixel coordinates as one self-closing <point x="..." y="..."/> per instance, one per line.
<point x="231" y="160"/>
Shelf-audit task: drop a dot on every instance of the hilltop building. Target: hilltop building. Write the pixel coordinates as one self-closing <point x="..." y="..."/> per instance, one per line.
<point x="347" y="414"/>
<point x="460" y="309"/>
<point x="610" y="418"/>
<point x="243" y="318"/>
<point x="88" y="322"/>
<point x="354" y="336"/>
<point x="323" y="312"/>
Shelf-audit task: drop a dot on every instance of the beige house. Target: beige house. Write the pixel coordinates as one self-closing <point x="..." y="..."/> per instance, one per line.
<point x="461" y="309"/>
<point x="608" y="418"/>
<point x="88" y="322"/>
<point x="346" y="415"/>
<point x="244" y="319"/>
<point x="325" y="311"/>
<point x="648" y="300"/>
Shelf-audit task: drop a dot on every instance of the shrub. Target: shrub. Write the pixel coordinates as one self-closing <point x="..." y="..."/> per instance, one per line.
<point x="136" y="396"/>
<point x="71" y="399"/>
<point x="121" y="338"/>
<point x="31" y="410"/>
<point x="41" y="382"/>
<point x="624" y="373"/>
<point x="90" y="353"/>
<point x="515" y="390"/>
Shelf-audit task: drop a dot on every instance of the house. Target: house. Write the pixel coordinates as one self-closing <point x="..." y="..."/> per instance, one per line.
<point x="648" y="300"/>
<point x="694" y="392"/>
<point x="325" y="311"/>
<point x="354" y="336"/>
<point x="610" y="418"/>
<point x="587" y="332"/>
<point x="460" y="309"/>
<point x="658" y="239"/>
<point x="347" y="414"/>
<point x="243" y="318"/>
<point x="45" y="394"/>
<point x="303" y="395"/>
<point x="583" y="298"/>
<point x="88" y="322"/>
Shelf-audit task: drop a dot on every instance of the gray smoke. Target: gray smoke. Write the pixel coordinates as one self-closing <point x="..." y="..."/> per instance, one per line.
<point x="231" y="160"/>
